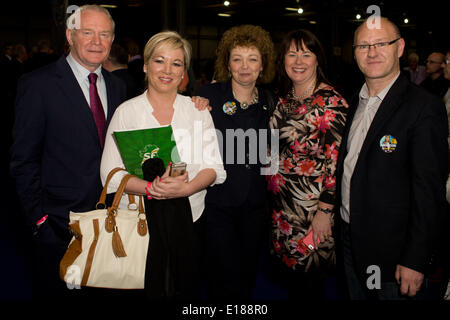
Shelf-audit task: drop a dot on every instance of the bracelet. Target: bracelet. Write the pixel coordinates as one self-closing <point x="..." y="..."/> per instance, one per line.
<point x="325" y="210"/>
<point x="149" y="185"/>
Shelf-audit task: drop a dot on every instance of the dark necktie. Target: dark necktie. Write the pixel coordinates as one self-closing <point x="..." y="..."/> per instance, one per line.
<point x="96" y="106"/>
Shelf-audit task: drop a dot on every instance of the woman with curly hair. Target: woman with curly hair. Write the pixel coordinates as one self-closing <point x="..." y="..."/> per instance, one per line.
<point x="310" y="117"/>
<point x="235" y="211"/>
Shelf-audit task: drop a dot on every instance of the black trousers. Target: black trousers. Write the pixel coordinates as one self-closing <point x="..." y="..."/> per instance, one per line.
<point x="234" y="241"/>
<point x="174" y="253"/>
<point x="49" y="246"/>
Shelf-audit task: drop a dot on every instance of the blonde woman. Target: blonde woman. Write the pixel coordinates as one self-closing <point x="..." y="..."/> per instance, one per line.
<point x="166" y="58"/>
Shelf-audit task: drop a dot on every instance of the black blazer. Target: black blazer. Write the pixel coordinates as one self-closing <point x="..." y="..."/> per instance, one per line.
<point x="244" y="183"/>
<point x="397" y="198"/>
<point x="56" y="153"/>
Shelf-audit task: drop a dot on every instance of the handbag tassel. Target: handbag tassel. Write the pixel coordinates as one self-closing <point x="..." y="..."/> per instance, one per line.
<point x="117" y="245"/>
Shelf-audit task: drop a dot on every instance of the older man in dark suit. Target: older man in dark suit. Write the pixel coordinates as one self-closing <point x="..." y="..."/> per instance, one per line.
<point x="392" y="170"/>
<point x="62" y="111"/>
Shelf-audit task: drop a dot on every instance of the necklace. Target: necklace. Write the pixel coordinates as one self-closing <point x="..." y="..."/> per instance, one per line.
<point x="304" y="94"/>
<point x="245" y="104"/>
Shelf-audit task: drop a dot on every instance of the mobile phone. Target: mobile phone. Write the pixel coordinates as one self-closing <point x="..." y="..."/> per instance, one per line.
<point x="177" y="169"/>
<point x="307" y="243"/>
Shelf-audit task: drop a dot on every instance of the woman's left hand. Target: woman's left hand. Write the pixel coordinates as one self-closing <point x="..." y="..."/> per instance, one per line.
<point x="201" y="103"/>
<point x="321" y="226"/>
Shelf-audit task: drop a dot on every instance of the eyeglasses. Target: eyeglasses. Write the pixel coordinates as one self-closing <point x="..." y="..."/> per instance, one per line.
<point x="431" y="61"/>
<point x="366" y="47"/>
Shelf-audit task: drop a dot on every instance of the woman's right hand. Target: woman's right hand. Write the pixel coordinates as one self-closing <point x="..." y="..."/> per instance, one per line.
<point x="167" y="187"/>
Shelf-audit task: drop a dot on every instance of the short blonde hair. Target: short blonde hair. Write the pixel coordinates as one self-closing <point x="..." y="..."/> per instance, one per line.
<point x="171" y="39"/>
<point x="246" y="36"/>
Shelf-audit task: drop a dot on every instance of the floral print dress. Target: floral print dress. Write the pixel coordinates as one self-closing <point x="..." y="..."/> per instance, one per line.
<point x="310" y="135"/>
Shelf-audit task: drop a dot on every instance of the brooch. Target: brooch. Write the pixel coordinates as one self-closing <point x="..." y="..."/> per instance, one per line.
<point x="229" y="107"/>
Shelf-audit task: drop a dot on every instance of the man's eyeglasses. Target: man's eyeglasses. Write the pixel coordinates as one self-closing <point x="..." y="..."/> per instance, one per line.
<point x="366" y="47"/>
<point x="431" y="61"/>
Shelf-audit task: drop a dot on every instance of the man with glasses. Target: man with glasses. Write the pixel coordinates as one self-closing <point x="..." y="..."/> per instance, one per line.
<point x="391" y="198"/>
<point x="435" y="82"/>
<point x="62" y="112"/>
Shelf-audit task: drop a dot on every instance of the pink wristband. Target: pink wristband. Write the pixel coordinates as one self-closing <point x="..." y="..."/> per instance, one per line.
<point x="147" y="190"/>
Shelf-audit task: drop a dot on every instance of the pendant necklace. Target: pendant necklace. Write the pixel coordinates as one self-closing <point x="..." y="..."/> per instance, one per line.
<point x="245" y="104"/>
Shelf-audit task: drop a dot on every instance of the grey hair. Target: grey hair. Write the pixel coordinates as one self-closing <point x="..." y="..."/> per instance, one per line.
<point x="73" y="21"/>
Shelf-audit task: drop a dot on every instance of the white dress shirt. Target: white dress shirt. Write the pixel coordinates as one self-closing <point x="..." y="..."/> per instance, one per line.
<point x="367" y="108"/>
<point x="81" y="74"/>
<point x="194" y="134"/>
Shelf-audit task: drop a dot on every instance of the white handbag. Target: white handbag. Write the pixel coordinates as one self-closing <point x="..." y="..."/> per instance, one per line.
<point x="109" y="246"/>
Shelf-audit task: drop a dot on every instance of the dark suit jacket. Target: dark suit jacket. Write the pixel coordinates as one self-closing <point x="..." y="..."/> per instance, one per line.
<point x="130" y="82"/>
<point x="56" y="152"/>
<point x="397" y="199"/>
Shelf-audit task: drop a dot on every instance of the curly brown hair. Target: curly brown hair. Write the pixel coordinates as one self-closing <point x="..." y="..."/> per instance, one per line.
<point x="245" y="36"/>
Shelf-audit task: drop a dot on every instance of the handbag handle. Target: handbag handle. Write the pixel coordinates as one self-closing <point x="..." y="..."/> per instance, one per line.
<point x="142" y="223"/>
<point x="102" y="199"/>
<point x="120" y="190"/>
<point x="131" y="200"/>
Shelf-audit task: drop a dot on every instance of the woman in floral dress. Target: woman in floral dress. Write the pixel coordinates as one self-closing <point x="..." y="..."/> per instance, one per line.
<point x="310" y="117"/>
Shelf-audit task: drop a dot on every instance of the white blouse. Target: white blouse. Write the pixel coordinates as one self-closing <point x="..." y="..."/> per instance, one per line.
<point x="194" y="134"/>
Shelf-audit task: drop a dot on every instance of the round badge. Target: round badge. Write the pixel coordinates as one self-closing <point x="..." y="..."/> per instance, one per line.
<point x="229" y="107"/>
<point x="388" y="143"/>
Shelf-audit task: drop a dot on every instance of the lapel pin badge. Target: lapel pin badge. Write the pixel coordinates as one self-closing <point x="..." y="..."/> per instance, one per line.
<point x="229" y="107"/>
<point x="388" y="143"/>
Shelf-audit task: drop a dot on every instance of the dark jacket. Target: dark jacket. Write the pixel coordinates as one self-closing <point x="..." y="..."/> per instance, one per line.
<point x="56" y="151"/>
<point x="397" y="198"/>
<point x="244" y="180"/>
<point x="438" y="86"/>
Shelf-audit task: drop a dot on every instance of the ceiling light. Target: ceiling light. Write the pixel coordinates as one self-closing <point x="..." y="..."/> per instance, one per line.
<point x="111" y="6"/>
<point x="406" y="20"/>
<point x="358" y="16"/>
<point x="224" y="15"/>
<point x="300" y="10"/>
<point x="226" y="3"/>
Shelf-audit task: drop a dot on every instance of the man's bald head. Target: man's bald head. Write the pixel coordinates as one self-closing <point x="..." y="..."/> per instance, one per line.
<point x="434" y="64"/>
<point x="384" y="23"/>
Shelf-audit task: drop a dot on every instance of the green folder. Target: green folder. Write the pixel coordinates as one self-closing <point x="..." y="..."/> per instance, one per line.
<point x="136" y="146"/>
